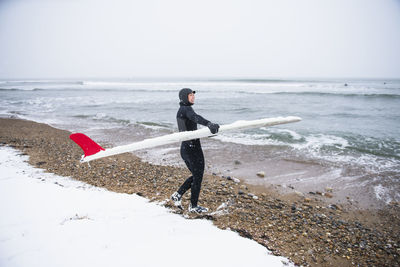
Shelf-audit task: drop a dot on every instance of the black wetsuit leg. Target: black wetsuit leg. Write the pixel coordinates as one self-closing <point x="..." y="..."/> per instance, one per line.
<point x="194" y="160"/>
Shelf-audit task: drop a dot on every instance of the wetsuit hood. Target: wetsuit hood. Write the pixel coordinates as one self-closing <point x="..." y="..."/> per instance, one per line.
<point x="183" y="96"/>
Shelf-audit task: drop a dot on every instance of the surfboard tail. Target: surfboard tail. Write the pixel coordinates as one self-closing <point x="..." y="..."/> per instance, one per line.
<point x="88" y="146"/>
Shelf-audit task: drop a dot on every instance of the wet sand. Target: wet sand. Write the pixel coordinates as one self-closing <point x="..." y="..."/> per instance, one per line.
<point x="309" y="229"/>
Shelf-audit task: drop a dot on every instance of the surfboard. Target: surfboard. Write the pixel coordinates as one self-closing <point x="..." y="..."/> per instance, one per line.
<point x="93" y="151"/>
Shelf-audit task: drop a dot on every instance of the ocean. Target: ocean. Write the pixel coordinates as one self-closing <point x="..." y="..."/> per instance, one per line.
<point x="348" y="139"/>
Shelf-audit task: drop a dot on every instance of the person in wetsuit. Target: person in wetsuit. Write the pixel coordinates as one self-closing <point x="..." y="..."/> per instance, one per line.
<point x="191" y="151"/>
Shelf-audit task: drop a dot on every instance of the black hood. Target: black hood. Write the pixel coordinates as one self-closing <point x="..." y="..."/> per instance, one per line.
<point x="183" y="96"/>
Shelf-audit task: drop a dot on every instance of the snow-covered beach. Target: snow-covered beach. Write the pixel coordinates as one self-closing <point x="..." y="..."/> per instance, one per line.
<point x="49" y="220"/>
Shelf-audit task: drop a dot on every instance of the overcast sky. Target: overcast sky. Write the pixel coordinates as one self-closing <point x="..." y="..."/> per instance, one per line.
<point x="207" y="38"/>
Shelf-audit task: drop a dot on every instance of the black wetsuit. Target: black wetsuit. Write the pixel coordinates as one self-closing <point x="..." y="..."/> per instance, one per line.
<point x="191" y="151"/>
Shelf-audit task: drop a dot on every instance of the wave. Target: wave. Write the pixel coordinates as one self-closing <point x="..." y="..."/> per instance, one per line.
<point x="371" y="152"/>
<point x="245" y="92"/>
<point x="79" y="89"/>
<point x="309" y="93"/>
<point x="102" y="117"/>
<point x="82" y="116"/>
<point x="155" y="125"/>
<point x="29" y="82"/>
<point x="238" y="86"/>
<point x="109" y="119"/>
<point x="347" y="95"/>
<point x="16" y="89"/>
<point x="263" y="136"/>
<point x="262" y="80"/>
<point x="387" y="148"/>
<point x="343" y="94"/>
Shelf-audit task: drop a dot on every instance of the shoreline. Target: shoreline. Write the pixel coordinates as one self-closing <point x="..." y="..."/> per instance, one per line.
<point x="306" y="229"/>
<point x="285" y="175"/>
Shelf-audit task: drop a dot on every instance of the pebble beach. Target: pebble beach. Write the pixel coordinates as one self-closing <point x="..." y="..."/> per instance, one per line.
<point x="309" y="229"/>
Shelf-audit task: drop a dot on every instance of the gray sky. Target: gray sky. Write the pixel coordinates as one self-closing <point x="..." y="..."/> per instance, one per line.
<point x="208" y="38"/>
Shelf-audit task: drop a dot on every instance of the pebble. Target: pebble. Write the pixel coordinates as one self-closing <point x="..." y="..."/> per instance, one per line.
<point x="261" y="174"/>
<point x="334" y="207"/>
<point x="300" y="194"/>
<point x="236" y="180"/>
<point x="328" y="189"/>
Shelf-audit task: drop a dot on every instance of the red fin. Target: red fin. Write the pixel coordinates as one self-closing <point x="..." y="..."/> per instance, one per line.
<point x="88" y="146"/>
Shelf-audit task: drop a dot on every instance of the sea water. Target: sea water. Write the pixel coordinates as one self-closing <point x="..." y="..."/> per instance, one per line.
<point x="348" y="138"/>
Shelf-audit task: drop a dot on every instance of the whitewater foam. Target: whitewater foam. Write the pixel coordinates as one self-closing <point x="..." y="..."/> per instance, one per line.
<point x="382" y="193"/>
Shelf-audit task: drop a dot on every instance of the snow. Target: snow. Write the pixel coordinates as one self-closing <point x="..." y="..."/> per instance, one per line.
<point x="48" y="220"/>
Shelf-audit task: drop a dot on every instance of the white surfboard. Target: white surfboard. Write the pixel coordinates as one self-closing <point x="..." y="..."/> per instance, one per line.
<point x="94" y="151"/>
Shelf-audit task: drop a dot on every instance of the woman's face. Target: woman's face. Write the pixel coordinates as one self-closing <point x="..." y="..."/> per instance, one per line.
<point x="191" y="98"/>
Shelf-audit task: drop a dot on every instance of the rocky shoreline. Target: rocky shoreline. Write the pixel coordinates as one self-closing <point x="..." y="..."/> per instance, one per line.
<point x="306" y="229"/>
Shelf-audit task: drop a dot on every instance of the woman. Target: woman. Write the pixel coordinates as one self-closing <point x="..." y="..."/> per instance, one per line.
<point x="191" y="151"/>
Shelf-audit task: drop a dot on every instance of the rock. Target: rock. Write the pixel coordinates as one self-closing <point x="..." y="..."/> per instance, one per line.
<point x="236" y="180"/>
<point x="328" y="195"/>
<point x="334" y="207"/>
<point x="300" y="194"/>
<point x="237" y="162"/>
<point x="252" y="196"/>
<point x="222" y="206"/>
<point x="329" y="189"/>
<point x="240" y="192"/>
<point x="261" y="174"/>
<point x="307" y="200"/>
<point x="243" y="187"/>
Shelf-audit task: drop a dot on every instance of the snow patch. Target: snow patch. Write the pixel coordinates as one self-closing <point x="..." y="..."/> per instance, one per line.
<point x="45" y="224"/>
